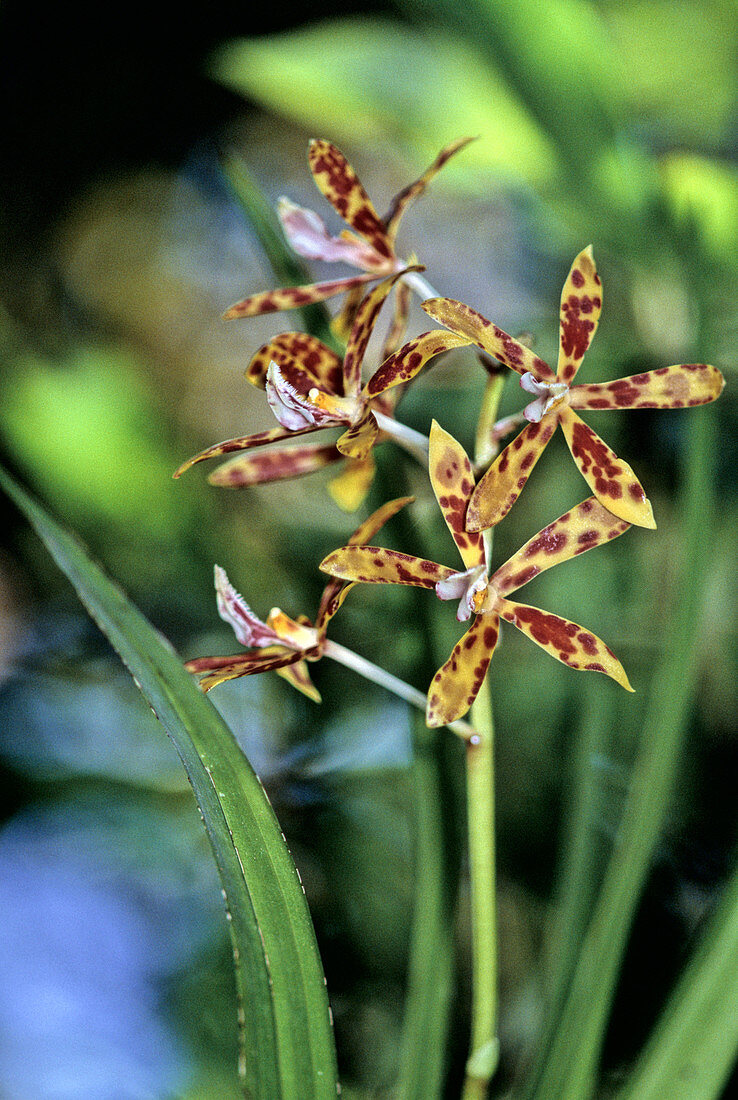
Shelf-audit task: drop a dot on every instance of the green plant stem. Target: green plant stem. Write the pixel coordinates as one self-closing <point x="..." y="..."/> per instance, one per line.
<point x="570" y="1064"/>
<point x="480" y="779"/>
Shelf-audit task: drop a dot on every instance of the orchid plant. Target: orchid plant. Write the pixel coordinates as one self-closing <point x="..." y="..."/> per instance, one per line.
<point x="309" y="388"/>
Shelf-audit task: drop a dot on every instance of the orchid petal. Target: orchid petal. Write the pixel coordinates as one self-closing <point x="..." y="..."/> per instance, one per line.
<point x="584" y="527"/>
<point x="467" y="322"/>
<point x="233" y="609"/>
<point x="334" y="593"/>
<point x="375" y="565"/>
<point x="273" y="465"/>
<point x="503" y="482"/>
<point x="376" y="521"/>
<point x="411" y="358"/>
<point x="566" y="641"/>
<point x="339" y="183"/>
<point x="243" y="664"/>
<point x="581" y="304"/>
<point x="398" y="327"/>
<point x="610" y="478"/>
<point x="242" y="443"/>
<point x="456" y="684"/>
<point x="350" y="488"/>
<point x="453" y="483"/>
<point x="343" y="321"/>
<point x="298" y="348"/>
<point x="292" y="297"/>
<point x="298" y="676"/>
<point x="665" y="388"/>
<point x="358" y="441"/>
<point x="307" y="234"/>
<point x="366" y="316"/>
<point x="413" y="190"/>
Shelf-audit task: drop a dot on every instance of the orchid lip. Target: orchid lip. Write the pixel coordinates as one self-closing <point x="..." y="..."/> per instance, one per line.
<point x="469" y="588"/>
<point x="549" y="395"/>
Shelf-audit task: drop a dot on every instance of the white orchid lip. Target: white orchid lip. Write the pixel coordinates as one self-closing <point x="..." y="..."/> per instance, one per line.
<point x="469" y="588"/>
<point x="549" y="395"/>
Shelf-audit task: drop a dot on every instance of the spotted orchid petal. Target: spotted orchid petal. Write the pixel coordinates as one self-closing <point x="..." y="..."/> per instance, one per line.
<point x="503" y="482"/>
<point x="400" y="314"/>
<point x="456" y="684"/>
<point x="411" y="358"/>
<point x="320" y="362"/>
<point x="366" y="316"/>
<point x="566" y="641"/>
<point x="292" y="297"/>
<point x="308" y="236"/>
<point x="453" y="484"/>
<point x="375" y="565"/>
<point x="581" y="529"/>
<point x="665" y="388"/>
<point x="610" y="478"/>
<point x="233" y="609"/>
<point x="343" y="321"/>
<point x="339" y="183"/>
<point x="408" y="194"/>
<point x="467" y="322"/>
<point x="359" y="439"/>
<point x="219" y="669"/>
<point x="581" y="304"/>
<point x="335" y="590"/>
<point x="299" y="677"/>
<point x="293" y="408"/>
<point x="273" y="465"/>
<point x="242" y="443"/>
<point x="350" y="488"/>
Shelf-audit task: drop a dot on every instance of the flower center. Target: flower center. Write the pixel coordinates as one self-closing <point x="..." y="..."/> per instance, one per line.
<point x="549" y="395"/>
<point x="291" y="634"/>
<point x="469" y="588"/>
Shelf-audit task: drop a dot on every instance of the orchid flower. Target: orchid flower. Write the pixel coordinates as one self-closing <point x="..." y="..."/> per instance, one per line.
<point x="309" y="388"/>
<point x="457" y="682"/>
<point x="280" y="643"/>
<point x="555" y="399"/>
<point x="370" y="247"/>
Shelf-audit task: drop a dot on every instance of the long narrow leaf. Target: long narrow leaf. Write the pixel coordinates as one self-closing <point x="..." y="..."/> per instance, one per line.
<point x="695" y="1043"/>
<point x="287" y="1050"/>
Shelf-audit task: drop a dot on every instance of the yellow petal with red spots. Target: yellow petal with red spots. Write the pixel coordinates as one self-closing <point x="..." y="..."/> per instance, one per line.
<point x="375" y="565"/>
<point x="413" y="190"/>
<point x="366" y="316"/>
<point x="411" y="358"/>
<point x="334" y="594"/>
<point x="292" y="297"/>
<point x="376" y="521"/>
<point x="298" y="676"/>
<point x="350" y="488"/>
<point x="581" y="304"/>
<point x="242" y="443"/>
<point x="219" y="669"/>
<point x="400" y="315"/>
<point x="315" y="357"/>
<point x="358" y="441"/>
<point x="611" y="480"/>
<point x="341" y="186"/>
<point x="343" y="322"/>
<point x="456" y="684"/>
<point x="674" y="387"/>
<point x="584" y="527"/>
<point x="503" y="482"/>
<point x="467" y="322"/>
<point x="453" y="483"/>
<point x="273" y="465"/>
<point x="566" y="641"/>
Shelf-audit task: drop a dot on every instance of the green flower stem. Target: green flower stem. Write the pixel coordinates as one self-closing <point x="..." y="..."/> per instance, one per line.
<point x="415" y="443"/>
<point x="484" y="1046"/>
<point x="391" y="683"/>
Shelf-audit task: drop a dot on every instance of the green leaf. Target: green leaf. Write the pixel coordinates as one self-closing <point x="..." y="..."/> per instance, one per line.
<point x="378" y="79"/>
<point x="287" y="1050"/>
<point x="694" y="1046"/>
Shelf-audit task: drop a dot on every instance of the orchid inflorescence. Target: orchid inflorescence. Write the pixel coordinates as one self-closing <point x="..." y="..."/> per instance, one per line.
<point x="310" y="388"/>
